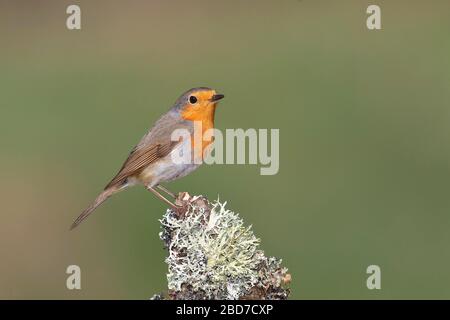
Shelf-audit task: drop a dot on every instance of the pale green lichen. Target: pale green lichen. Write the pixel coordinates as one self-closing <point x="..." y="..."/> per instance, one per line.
<point x="212" y="255"/>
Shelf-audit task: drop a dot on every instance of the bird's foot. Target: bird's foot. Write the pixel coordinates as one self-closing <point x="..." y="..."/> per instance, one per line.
<point x="184" y="202"/>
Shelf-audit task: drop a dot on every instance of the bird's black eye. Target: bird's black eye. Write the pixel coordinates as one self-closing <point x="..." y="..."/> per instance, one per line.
<point x="192" y="99"/>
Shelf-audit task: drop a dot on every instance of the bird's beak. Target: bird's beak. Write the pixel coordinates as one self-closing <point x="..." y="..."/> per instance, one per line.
<point x="217" y="97"/>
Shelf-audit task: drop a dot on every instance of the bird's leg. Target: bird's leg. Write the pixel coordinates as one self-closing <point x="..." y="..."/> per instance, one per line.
<point x="160" y="196"/>
<point x="170" y="193"/>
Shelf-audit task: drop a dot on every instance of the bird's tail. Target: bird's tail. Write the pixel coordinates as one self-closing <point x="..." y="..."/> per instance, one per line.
<point x="102" y="197"/>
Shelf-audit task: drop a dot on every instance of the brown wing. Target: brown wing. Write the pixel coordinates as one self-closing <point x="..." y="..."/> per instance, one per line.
<point x="140" y="157"/>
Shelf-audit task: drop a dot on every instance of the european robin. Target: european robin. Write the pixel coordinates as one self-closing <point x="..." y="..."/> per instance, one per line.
<point x="150" y="163"/>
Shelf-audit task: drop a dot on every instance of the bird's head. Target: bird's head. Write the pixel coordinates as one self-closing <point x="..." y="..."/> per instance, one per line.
<point x="198" y="103"/>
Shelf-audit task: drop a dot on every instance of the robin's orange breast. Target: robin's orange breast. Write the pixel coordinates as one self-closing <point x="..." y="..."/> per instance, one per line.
<point x="205" y="117"/>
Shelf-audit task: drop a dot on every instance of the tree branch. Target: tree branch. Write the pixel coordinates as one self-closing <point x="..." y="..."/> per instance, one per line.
<point x="212" y="255"/>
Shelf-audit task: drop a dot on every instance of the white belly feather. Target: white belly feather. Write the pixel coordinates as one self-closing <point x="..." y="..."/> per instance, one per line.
<point x="166" y="169"/>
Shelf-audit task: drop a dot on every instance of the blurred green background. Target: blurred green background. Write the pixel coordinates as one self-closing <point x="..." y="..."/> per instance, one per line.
<point x="364" y="153"/>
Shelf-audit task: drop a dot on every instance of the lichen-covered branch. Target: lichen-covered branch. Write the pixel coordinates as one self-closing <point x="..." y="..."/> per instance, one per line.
<point x="212" y="255"/>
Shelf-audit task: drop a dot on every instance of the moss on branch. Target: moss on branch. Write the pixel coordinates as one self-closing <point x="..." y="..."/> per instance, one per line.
<point x="212" y="255"/>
